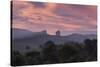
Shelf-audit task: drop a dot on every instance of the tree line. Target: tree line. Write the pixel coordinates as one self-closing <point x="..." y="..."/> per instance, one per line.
<point x="52" y="53"/>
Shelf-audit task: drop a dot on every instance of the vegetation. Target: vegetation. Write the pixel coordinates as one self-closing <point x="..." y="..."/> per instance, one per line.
<point x="53" y="53"/>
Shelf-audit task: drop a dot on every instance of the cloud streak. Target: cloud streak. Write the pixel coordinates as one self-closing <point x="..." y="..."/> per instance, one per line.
<point x="38" y="16"/>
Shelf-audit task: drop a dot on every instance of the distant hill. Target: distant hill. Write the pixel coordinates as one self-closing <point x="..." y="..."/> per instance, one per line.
<point x="22" y="33"/>
<point x="22" y="38"/>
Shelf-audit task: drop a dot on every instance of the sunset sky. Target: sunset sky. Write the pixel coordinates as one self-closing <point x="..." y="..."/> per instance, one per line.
<point x="68" y="18"/>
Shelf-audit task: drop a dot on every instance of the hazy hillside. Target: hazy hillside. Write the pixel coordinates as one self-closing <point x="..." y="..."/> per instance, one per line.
<point x="22" y="38"/>
<point x="22" y="33"/>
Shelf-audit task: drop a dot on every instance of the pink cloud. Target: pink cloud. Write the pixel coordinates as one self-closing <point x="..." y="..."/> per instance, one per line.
<point x="27" y="16"/>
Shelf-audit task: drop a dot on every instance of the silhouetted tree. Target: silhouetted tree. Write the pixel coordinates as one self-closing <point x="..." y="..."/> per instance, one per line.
<point x="94" y="44"/>
<point x="94" y="49"/>
<point x="17" y="59"/>
<point x="50" y="52"/>
<point x="27" y="47"/>
<point x="67" y="52"/>
<point x="91" y="47"/>
<point x="33" y="57"/>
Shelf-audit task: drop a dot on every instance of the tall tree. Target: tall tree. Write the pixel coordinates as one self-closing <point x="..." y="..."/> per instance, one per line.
<point x="50" y="52"/>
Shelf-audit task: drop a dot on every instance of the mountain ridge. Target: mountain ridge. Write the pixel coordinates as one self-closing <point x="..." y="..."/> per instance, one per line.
<point x="21" y="32"/>
<point x="40" y="38"/>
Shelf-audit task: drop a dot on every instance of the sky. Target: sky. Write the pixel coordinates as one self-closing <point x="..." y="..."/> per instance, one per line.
<point x="67" y="18"/>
